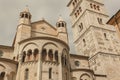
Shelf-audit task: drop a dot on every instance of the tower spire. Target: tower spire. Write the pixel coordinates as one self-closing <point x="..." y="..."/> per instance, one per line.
<point x="60" y="18"/>
<point x="26" y="9"/>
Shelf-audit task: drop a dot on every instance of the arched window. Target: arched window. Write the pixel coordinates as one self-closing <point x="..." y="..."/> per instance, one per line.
<point x="26" y="15"/>
<point x="2" y="74"/>
<point x="23" y="56"/>
<point x="58" y="24"/>
<point x="76" y="15"/>
<point x="78" y="12"/>
<point x="36" y="51"/>
<point x="22" y="16"/>
<point x="91" y="5"/>
<point x="98" y="7"/>
<point x="94" y="6"/>
<point x="73" y="4"/>
<point x="50" y="54"/>
<point x="80" y="9"/>
<point x="85" y="77"/>
<point x="29" y="53"/>
<point x="105" y="36"/>
<point x="75" y="1"/>
<point x="63" y="24"/>
<point x="44" y="54"/>
<point x="56" y="56"/>
<point x="26" y="74"/>
<point x="100" y="20"/>
<point x="84" y="41"/>
<point x="80" y="27"/>
<point x="13" y="58"/>
<point x="50" y="73"/>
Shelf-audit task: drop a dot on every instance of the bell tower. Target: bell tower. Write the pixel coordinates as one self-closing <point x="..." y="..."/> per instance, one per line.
<point x="62" y="29"/>
<point x="24" y="26"/>
<point x="91" y="34"/>
<point x="25" y="17"/>
<point x="23" y="29"/>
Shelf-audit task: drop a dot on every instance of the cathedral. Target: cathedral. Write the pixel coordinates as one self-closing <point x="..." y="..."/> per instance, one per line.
<point x="40" y="51"/>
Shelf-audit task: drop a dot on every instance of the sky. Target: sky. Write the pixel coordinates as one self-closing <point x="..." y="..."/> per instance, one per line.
<point x="50" y="10"/>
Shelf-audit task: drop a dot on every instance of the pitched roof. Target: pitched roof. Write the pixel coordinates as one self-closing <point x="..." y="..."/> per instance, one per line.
<point x="44" y="22"/>
<point x="112" y="19"/>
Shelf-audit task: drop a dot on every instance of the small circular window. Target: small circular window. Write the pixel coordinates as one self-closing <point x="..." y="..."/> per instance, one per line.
<point x="77" y="63"/>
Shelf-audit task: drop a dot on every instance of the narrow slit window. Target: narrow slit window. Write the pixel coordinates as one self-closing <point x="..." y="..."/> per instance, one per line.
<point x="50" y="73"/>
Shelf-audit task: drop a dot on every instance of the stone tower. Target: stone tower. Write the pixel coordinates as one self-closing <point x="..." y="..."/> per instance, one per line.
<point x="23" y="29"/>
<point x="62" y="29"/>
<point x="93" y="37"/>
<point x="24" y="26"/>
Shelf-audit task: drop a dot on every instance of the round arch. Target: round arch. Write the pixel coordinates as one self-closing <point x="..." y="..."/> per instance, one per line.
<point x="49" y="43"/>
<point x="29" y="44"/>
<point x="85" y="76"/>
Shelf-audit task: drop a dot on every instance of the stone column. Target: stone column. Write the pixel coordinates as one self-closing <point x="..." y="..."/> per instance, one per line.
<point x="39" y="71"/>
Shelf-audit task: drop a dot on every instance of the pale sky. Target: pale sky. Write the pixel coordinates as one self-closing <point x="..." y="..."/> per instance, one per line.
<point x="48" y="9"/>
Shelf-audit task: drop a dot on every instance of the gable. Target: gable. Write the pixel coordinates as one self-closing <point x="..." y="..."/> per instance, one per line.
<point x="43" y="27"/>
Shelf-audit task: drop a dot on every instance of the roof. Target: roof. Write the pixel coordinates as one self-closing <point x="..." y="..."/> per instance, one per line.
<point x="80" y="56"/>
<point x="35" y="23"/>
<point x="69" y="3"/>
<point x="43" y="20"/>
<point x="112" y="19"/>
<point x="3" y="46"/>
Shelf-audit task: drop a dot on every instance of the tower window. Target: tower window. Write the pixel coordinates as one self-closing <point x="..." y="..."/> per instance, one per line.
<point x="84" y="41"/>
<point x="99" y="20"/>
<point x="75" y="1"/>
<point x="76" y="15"/>
<point x="91" y="5"/>
<point x="26" y="74"/>
<point x="98" y="8"/>
<point x="78" y="12"/>
<point x="13" y="58"/>
<point x="26" y="15"/>
<point x="22" y="16"/>
<point x="105" y="36"/>
<point x="50" y="73"/>
<point x="58" y="24"/>
<point x="94" y="6"/>
<point x="80" y="9"/>
<point x="80" y="27"/>
<point x="73" y="4"/>
<point x="62" y="24"/>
